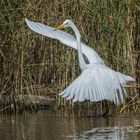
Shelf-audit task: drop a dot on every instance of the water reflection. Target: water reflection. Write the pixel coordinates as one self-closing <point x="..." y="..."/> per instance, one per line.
<point x="105" y="133"/>
<point x="49" y="125"/>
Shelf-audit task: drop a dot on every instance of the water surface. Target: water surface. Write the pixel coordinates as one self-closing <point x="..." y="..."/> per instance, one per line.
<point x="51" y="125"/>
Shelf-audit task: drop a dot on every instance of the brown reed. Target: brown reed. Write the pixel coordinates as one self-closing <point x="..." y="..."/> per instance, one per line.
<point x="35" y="65"/>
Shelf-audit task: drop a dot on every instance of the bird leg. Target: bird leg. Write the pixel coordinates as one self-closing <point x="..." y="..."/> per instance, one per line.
<point x="102" y="108"/>
<point x="98" y="109"/>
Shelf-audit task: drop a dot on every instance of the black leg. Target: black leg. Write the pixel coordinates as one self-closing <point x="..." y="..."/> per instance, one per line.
<point x="98" y="109"/>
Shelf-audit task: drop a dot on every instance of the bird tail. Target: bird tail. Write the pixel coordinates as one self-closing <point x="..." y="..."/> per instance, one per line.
<point x="124" y="79"/>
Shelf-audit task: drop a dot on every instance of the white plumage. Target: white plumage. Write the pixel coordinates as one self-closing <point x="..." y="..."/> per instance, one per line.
<point x="65" y="38"/>
<point x="97" y="81"/>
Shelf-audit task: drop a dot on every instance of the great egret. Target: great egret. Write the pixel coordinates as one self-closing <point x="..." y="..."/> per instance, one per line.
<point x="97" y="81"/>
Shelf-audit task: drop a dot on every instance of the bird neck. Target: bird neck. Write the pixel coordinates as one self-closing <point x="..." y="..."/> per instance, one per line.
<point x="82" y="62"/>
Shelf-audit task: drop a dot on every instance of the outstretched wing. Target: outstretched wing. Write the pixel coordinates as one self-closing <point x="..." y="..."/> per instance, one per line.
<point x="96" y="83"/>
<point x="65" y="38"/>
<point x="70" y="41"/>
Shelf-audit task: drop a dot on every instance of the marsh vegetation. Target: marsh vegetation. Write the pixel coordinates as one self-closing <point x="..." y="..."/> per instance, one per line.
<point x="33" y="65"/>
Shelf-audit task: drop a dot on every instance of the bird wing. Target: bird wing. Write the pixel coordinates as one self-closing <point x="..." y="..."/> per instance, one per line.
<point x="96" y="83"/>
<point x="70" y="41"/>
<point x="65" y="38"/>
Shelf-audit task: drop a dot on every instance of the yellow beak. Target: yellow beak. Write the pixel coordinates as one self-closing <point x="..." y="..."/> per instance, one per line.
<point x="59" y="27"/>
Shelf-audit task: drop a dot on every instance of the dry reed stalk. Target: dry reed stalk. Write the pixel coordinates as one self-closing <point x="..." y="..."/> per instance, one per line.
<point x="28" y="59"/>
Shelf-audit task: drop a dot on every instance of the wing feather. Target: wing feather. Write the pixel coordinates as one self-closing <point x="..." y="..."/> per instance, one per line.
<point x="65" y="38"/>
<point x="95" y="84"/>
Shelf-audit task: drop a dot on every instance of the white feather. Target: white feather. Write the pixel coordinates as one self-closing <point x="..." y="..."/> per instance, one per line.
<point x="102" y="86"/>
<point x="65" y="38"/>
<point x="97" y="81"/>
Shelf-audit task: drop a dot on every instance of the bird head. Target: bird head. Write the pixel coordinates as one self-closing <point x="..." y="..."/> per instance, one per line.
<point x="66" y="23"/>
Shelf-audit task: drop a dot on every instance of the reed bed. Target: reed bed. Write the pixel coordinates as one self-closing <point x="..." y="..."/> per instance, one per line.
<point x="35" y="65"/>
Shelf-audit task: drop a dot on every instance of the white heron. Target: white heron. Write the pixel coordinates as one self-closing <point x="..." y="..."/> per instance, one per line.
<point x="97" y="82"/>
